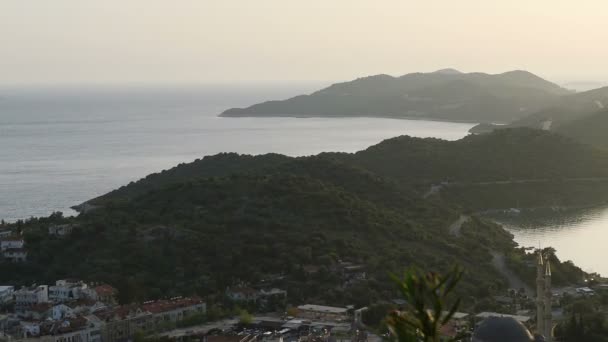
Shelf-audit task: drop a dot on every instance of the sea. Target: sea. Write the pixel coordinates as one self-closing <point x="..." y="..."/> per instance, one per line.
<point x="65" y="145"/>
<point x="578" y="235"/>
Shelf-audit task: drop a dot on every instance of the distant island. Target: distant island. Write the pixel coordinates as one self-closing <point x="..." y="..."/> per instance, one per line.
<point x="446" y="95"/>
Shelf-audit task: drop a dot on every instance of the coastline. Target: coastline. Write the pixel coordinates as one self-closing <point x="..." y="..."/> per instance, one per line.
<point x="366" y="116"/>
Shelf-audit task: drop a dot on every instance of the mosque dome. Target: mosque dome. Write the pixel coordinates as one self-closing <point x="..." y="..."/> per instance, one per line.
<point x="502" y="329"/>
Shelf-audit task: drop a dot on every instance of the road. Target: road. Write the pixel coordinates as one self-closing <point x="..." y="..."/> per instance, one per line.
<point x="200" y="329"/>
<point x="498" y="261"/>
<point x="454" y="228"/>
<point x="436" y="188"/>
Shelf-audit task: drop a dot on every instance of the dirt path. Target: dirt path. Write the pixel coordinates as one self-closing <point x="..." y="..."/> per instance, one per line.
<point x="498" y="261"/>
<point x="437" y="188"/>
<point x="455" y="227"/>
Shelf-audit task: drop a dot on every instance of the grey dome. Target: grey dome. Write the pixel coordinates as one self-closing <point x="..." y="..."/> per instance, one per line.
<point x="501" y="329"/>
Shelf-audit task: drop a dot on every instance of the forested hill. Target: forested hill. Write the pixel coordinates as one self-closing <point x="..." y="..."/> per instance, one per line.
<point x="226" y="219"/>
<point x="298" y="222"/>
<point x="504" y="155"/>
<point x="222" y="164"/>
<point x="581" y="116"/>
<point x="448" y="96"/>
<point x="591" y="129"/>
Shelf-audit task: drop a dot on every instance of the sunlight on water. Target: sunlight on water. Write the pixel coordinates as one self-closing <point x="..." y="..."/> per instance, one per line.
<point x="577" y="235"/>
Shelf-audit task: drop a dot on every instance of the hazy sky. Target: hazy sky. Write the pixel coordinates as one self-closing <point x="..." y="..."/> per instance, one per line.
<point x="205" y="41"/>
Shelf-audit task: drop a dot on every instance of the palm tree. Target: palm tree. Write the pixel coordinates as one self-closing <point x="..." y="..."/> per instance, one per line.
<point x="426" y="312"/>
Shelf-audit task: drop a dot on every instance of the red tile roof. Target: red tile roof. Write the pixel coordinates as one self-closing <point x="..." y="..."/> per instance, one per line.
<point x="120" y="311"/>
<point x="448" y="330"/>
<point x="105" y="290"/>
<point x="159" y="306"/>
<point x="40" y="307"/>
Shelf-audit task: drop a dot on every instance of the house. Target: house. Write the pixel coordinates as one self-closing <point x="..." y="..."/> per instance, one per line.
<point x="585" y="291"/>
<point x="102" y="293"/>
<point x="352" y="271"/>
<point x="310" y="269"/>
<point x="242" y="294"/>
<point x="120" y="323"/>
<point x="272" y="298"/>
<point x="174" y="309"/>
<point x="4" y="323"/>
<point x="61" y="230"/>
<point x="5" y="233"/>
<point x="79" y="329"/>
<point x="60" y="311"/>
<point x="15" y="254"/>
<point x="310" y="311"/>
<point x="66" y="290"/>
<point x="29" y="328"/>
<point x="85" y="306"/>
<point x="12" y="241"/>
<point x="6" y="293"/>
<point x="27" y="297"/>
<point x="36" y="312"/>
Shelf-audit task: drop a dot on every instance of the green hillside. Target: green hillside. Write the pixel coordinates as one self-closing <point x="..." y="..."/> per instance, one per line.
<point x="577" y="115"/>
<point x="221" y="220"/>
<point x="510" y="154"/>
<point x="592" y="129"/>
<point x="200" y="236"/>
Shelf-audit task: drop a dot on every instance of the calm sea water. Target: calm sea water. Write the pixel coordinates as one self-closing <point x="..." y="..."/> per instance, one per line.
<point x="577" y="235"/>
<point x="60" y="147"/>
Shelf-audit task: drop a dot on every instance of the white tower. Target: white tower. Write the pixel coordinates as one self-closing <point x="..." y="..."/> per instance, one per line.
<point x="540" y="294"/>
<point x="548" y="325"/>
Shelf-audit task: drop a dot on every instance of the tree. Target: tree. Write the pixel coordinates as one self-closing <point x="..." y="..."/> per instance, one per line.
<point x="245" y="317"/>
<point x="426" y="311"/>
<point x="292" y="311"/>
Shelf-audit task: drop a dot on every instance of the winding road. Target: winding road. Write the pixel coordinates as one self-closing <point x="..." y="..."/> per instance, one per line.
<point x="498" y="261"/>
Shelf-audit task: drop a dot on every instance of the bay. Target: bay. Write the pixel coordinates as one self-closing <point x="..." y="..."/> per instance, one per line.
<point x="579" y="235"/>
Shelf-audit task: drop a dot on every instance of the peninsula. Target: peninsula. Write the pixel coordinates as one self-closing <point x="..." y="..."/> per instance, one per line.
<point x="446" y="95"/>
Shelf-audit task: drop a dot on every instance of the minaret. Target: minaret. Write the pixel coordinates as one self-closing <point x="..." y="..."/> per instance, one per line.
<point x="540" y="293"/>
<point x="548" y="301"/>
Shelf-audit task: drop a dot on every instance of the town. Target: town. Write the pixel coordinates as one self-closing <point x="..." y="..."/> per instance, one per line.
<point x="74" y="310"/>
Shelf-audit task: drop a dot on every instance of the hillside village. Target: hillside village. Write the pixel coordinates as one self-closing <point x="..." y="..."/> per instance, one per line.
<point x="73" y="310"/>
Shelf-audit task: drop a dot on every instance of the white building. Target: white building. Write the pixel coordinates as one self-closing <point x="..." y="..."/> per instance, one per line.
<point x="60" y="311"/>
<point x="27" y="297"/>
<point x="242" y="294"/>
<point x="11" y="242"/>
<point x="66" y="290"/>
<point x="61" y="230"/>
<point x="103" y="293"/>
<point x="6" y="293"/>
<point x="15" y="254"/>
<point x="311" y="311"/>
<point x="30" y="329"/>
<point x="72" y="330"/>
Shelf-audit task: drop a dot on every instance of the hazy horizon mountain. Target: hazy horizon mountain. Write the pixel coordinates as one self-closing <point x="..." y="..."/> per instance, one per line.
<point x="581" y="86"/>
<point x="445" y="94"/>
